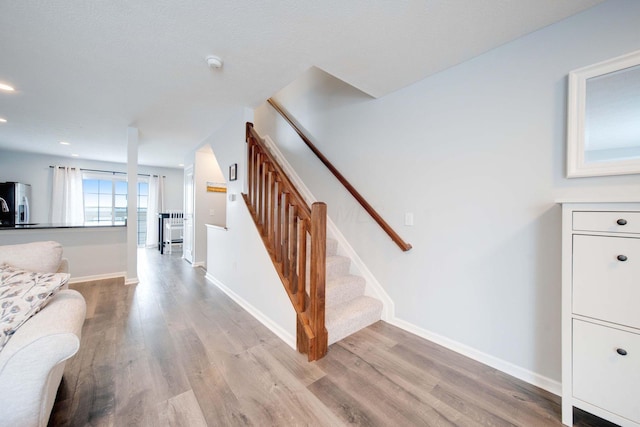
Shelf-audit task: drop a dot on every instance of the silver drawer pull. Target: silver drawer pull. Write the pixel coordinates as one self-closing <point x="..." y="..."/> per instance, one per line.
<point x="621" y="221"/>
<point x="622" y="258"/>
<point x="621" y="351"/>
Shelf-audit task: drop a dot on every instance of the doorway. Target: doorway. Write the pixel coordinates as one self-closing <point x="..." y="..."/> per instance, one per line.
<point x="187" y="244"/>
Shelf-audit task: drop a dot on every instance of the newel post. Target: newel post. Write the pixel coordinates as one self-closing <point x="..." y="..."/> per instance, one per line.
<point x="318" y="346"/>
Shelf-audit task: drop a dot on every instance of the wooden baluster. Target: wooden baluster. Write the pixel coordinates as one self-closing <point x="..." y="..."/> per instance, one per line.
<point x="285" y="237"/>
<point x="278" y="237"/>
<point x="258" y="188"/>
<point x="272" y="209"/>
<point x="265" y="196"/>
<point x="256" y="166"/>
<point x="256" y="157"/>
<point x="318" y="346"/>
<point x="249" y="167"/>
<point x="293" y="259"/>
<point x="302" y="265"/>
<point x="261" y="195"/>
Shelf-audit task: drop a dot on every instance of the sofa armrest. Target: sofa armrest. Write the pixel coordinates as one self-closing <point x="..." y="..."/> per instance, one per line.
<point x="43" y="257"/>
<point x="64" y="266"/>
<point x="30" y="362"/>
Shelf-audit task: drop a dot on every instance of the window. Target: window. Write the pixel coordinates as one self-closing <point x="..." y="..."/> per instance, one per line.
<point x="143" y="200"/>
<point x="101" y="198"/>
<point x="105" y="201"/>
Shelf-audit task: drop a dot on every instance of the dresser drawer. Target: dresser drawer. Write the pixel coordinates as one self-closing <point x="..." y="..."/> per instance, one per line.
<point x="604" y="287"/>
<point x="601" y="376"/>
<point x="607" y="222"/>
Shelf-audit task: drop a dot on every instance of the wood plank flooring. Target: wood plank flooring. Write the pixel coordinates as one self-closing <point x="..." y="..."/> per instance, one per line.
<point x="176" y="351"/>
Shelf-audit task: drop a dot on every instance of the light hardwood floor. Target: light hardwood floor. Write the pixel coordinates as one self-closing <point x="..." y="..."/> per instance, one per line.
<point x="176" y="351"/>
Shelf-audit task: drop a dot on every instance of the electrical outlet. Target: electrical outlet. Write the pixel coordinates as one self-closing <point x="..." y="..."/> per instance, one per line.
<point x="212" y="212"/>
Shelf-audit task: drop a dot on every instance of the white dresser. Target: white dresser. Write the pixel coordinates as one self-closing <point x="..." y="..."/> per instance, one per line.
<point x="601" y="311"/>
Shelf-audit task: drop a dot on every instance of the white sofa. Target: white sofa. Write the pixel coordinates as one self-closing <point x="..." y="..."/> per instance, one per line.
<point x="33" y="359"/>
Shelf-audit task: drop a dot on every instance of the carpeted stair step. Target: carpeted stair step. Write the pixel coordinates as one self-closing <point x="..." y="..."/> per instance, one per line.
<point x="344" y="288"/>
<point x="344" y="319"/>
<point x="332" y="247"/>
<point x="337" y="266"/>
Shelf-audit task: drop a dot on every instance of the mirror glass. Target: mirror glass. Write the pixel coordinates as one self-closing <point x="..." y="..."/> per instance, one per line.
<point x="604" y="118"/>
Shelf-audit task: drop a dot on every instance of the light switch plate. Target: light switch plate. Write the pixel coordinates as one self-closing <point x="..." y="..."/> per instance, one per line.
<point x="408" y="219"/>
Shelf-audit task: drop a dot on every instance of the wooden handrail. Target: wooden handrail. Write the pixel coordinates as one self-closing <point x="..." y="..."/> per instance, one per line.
<point x="286" y="223"/>
<point x="375" y="215"/>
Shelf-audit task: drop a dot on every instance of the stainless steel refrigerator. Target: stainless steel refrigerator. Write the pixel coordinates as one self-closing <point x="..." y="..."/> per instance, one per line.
<point x="15" y="199"/>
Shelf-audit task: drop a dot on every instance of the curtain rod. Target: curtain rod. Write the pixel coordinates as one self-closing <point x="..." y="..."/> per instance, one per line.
<point x="111" y="172"/>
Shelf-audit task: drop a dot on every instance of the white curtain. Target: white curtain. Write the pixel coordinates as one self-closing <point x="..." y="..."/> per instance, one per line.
<point x="67" y="206"/>
<point x="155" y="205"/>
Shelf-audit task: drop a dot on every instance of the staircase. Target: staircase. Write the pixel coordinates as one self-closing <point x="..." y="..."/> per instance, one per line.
<point x="329" y="301"/>
<point x="347" y="308"/>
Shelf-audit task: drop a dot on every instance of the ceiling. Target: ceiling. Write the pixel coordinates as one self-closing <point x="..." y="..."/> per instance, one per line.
<point x="83" y="71"/>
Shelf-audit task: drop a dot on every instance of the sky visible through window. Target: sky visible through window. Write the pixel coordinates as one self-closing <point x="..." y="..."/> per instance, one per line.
<point x="105" y="203"/>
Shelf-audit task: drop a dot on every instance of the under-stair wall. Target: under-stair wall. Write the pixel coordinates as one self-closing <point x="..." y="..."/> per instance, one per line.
<point x="236" y="260"/>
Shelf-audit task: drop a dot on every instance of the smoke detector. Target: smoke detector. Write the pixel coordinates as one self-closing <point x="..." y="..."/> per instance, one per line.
<point x="214" y="62"/>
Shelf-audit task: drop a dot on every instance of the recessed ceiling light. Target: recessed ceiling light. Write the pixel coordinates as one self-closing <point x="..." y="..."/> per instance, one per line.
<point x="2" y="120"/>
<point x="65" y="143"/>
<point x="75" y="155"/>
<point x="6" y="87"/>
<point x="181" y="165"/>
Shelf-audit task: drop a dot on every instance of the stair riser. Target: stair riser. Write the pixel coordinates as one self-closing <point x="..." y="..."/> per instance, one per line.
<point x="337" y="268"/>
<point x="344" y="291"/>
<point x="332" y="247"/>
<point x="350" y="323"/>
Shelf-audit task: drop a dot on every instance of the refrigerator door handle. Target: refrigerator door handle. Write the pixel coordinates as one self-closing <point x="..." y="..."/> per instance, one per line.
<point x="27" y="216"/>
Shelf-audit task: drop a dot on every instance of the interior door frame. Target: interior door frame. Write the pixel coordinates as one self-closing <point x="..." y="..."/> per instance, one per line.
<point x="189" y="207"/>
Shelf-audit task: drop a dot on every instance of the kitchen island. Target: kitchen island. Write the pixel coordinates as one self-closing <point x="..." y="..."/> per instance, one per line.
<point x="94" y="252"/>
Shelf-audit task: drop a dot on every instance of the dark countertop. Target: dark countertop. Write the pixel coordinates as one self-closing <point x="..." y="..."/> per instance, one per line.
<point x="45" y="226"/>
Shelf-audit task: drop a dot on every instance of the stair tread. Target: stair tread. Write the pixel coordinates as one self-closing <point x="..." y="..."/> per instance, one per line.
<point x="337" y="258"/>
<point x="345" y="278"/>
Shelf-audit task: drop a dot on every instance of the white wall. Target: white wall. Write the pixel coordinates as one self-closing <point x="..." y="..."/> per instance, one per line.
<point x="34" y="169"/>
<point x="93" y="253"/>
<point x="236" y="258"/>
<point x="477" y="154"/>
<point x="206" y="169"/>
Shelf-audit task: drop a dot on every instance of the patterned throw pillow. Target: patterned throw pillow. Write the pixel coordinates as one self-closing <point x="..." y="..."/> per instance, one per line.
<point x="22" y="294"/>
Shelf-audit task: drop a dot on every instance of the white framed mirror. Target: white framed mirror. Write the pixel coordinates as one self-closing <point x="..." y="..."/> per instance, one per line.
<point x="603" y="128"/>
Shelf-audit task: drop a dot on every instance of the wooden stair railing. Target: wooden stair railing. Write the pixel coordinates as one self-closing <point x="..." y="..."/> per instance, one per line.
<point x="350" y="188"/>
<point x="287" y="223"/>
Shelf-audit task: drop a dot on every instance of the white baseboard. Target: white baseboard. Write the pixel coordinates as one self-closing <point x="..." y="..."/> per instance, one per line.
<point x="266" y="321"/>
<point x="99" y="277"/>
<point x="525" y="375"/>
<point x="198" y="264"/>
